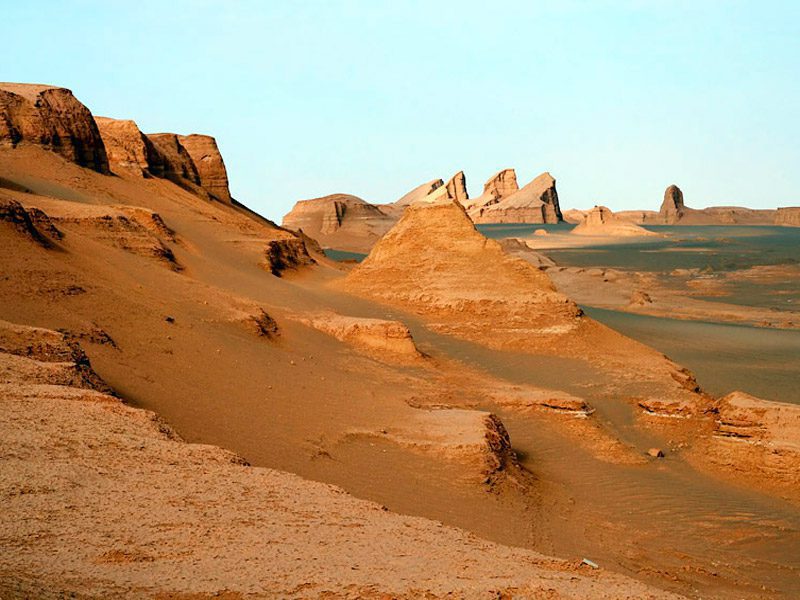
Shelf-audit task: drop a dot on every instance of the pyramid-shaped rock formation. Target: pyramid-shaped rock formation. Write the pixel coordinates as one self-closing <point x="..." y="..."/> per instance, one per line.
<point x="435" y="262"/>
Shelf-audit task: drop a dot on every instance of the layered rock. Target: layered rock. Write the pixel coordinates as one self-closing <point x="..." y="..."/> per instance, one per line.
<point x="436" y="263"/>
<point x="207" y="159"/>
<point x="672" y="208"/>
<point x="28" y="222"/>
<point x="53" y="118"/>
<point x="601" y="221"/>
<point x="537" y="202"/>
<point x="419" y="192"/>
<point x="172" y="161"/>
<point x="286" y="254"/>
<point x="129" y="150"/>
<point x="374" y="336"/>
<point x="340" y="221"/>
<point x="789" y="216"/>
<point x="457" y="188"/>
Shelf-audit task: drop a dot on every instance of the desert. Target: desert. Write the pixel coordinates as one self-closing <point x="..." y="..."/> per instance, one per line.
<point x="271" y="327"/>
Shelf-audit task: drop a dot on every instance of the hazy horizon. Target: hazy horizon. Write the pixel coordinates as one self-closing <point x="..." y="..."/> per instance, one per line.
<point x="616" y="99"/>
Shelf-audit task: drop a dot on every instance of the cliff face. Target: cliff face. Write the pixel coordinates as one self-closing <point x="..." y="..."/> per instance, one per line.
<point x="537" y="202"/>
<point x="340" y="221"/>
<point x="53" y="118"/>
<point x="128" y="149"/>
<point x="457" y="188"/>
<point x="789" y="216"/>
<point x="171" y="160"/>
<point x="500" y="185"/>
<point x="207" y="159"/>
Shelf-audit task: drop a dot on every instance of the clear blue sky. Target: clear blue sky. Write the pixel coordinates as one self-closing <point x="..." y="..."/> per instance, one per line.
<point x="617" y="99"/>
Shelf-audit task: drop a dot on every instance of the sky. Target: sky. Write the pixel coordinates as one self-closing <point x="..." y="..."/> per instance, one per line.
<point x="616" y="99"/>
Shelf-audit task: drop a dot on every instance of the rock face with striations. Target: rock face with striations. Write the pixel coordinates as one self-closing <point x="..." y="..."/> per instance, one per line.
<point x="340" y="221"/>
<point x="434" y="262"/>
<point x="172" y="161"/>
<point x="210" y="167"/>
<point x="129" y="150"/>
<point x="53" y="118"/>
<point x="457" y="188"/>
<point x="788" y="216"/>
<point x="672" y="208"/>
<point x="502" y="202"/>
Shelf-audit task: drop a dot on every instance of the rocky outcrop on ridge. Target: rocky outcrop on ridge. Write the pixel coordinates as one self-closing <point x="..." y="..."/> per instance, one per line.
<point x="340" y="221"/>
<point x="502" y="202"/>
<point x="207" y="159"/>
<point x="31" y="222"/>
<point x="172" y="161"/>
<point x="128" y="149"/>
<point x="51" y="117"/>
<point x="419" y="192"/>
<point x="286" y="254"/>
<point x="789" y="216"/>
<point x="457" y="188"/>
<point x="602" y="222"/>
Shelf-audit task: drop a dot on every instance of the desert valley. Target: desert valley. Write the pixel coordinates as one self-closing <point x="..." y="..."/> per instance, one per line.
<point x="441" y="396"/>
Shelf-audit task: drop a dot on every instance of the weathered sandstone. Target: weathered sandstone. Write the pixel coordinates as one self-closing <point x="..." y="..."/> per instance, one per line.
<point x="789" y="215"/>
<point x="601" y="221"/>
<point x="286" y="254"/>
<point x="173" y="162"/>
<point x="419" y="192"/>
<point x="53" y="118"/>
<point x="672" y="208"/>
<point x="207" y="159"/>
<point x="129" y="150"/>
<point x="537" y="202"/>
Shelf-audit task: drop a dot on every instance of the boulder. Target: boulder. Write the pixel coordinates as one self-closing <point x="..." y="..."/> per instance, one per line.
<point x="207" y="159"/>
<point x="51" y="117"/>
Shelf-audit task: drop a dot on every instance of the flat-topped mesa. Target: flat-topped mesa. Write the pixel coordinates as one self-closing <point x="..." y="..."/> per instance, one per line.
<point x="601" y="221"/>
<point x="340" y="221"/>
<point x="51" y="117"/>
<point x="788" y="216"/>
<point x="129" y="150"/>
<point x="172" y="161"/>
<point x="207" y="159"/>
<point x="537" y="202"/>
<point x="672" y="208"/>
<point x="457" y="188"/>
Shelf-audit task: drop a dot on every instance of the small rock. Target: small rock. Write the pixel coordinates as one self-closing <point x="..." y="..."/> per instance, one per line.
<point x="169" y="319"/>
<point x="590" y="563"/>
<point x="655" y="453"/>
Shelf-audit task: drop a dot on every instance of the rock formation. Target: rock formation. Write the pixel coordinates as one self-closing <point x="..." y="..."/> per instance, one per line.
<point x="789" y="216"/>
<point x="286" y="254"/>
<point x="672" y="207"/>
<point x="173" y="161"/>
<point x="207" y="159"/>
<point x="31" y="223"/>
<point x="419" y="192"/>
<point x="128" y="149"/>
<point x="436" y="263"/>
<point x="340" y="221"/>
<point x="502" y="202"/>
<point x="457" y="188"/>
<point x="53" y="118"/>
<point x="601" y="221"/>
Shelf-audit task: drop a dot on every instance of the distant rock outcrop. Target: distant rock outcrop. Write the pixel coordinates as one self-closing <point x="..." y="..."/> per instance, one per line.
<point x="672" y="208"/>
<point x="51" y="117"/>
<point x="340" y="221"/>
<point x="601" y="221"/>
<point x="503" y="202"/>
<point x="789" y="216"/>
<point x="207" y="159"/>
<point x="457" y="188"/>
<point x="172" y="161"/>
<point x="419" y="192"/>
